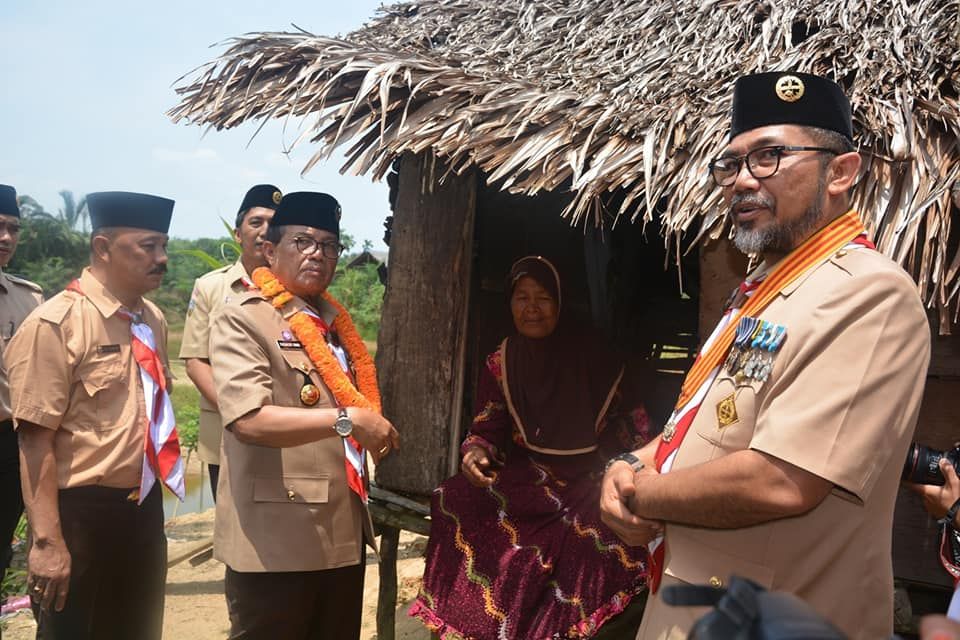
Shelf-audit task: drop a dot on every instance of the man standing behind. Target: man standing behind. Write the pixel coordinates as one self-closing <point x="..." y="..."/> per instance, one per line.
<point x="18" y="298"/>
<point x="300" y="406"/>
<point x="210" y="292"/>
<point x="88" y="383"/>
<point x="782" y="459"/>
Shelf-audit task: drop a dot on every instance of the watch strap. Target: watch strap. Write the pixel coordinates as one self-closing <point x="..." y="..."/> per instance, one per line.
<point x="627" y="457"/>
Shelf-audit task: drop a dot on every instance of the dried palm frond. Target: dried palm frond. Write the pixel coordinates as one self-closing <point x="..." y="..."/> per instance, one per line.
<point x="618" y="96"/>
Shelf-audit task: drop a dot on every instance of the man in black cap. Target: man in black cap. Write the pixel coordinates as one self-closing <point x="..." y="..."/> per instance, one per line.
<point x="210" y="292"/>
<point x="18" y="297"/>
<point x="300" y="407"/>
<point x="89" y="387"/>
<point x="782" y="458"/>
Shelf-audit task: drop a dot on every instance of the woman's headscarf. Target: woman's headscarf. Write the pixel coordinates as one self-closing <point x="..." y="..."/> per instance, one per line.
<point x="559" y="387"/>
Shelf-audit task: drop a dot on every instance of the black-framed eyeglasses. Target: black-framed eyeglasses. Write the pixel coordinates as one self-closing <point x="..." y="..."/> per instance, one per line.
<point x="761" y="163"/>
<point x="309" y="246"/>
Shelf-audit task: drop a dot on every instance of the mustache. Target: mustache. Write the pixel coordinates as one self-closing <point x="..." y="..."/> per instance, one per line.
<point x="754" y="199"/>
<point x="158" y="271"/>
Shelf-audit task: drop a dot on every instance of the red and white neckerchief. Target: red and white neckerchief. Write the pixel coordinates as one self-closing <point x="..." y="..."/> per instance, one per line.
<point x="355" y="456"/>
<point x="161" y="443"/>
<point x="683" y="416"/>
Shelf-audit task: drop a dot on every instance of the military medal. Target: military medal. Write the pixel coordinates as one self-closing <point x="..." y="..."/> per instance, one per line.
<point x="309" y="394"/>
<point x="669" y="430"/>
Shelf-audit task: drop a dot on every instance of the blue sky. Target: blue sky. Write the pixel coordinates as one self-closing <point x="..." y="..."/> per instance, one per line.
<point x="87" y="85"/>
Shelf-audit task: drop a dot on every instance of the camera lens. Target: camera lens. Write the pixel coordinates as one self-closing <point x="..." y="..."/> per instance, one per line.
<point x="922" y="465"/>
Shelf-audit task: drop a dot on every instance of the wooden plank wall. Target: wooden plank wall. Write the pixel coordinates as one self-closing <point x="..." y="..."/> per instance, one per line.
<point x="420" y="348"/>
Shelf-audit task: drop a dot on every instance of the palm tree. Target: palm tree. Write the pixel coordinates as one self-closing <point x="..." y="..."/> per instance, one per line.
<point x="73" y="212"/>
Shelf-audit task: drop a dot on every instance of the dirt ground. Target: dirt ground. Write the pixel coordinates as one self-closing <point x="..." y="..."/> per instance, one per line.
<point x="196" y="609"/>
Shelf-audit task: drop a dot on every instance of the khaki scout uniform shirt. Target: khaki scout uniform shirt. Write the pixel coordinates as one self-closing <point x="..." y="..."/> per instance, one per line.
<point x="841" y="402"/>
<point x="278" y="509"/>
<point x="18" y="297"/>
<point x="72" y="370"/>
<point x="210" y="292"/>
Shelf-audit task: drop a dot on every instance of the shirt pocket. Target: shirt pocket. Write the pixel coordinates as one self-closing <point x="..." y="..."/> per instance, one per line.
<point x="292" y="489"/>
<point x="727" y="417"/>
<point x="108" y="401"/>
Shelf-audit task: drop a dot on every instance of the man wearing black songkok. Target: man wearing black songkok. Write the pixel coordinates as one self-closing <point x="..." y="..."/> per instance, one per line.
<point x="18" y="297"/>
<point x="781" y="461"/>
<point x="89" y="384"/>
<point x="210" y="292"/>
<point x="300" y="407"/>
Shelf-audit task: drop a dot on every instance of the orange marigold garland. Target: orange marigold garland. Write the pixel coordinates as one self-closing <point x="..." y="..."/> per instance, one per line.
<point x="309" y="335"/>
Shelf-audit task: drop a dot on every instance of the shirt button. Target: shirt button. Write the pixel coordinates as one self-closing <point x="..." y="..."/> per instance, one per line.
<point x="715" y="582"/>
<point x="291" y="496"/>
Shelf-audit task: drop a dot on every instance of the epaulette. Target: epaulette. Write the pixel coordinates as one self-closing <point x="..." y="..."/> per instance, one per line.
<point x="23" y="282"/>
<point x="56" y="308"/>
<point x="248" y="296"/>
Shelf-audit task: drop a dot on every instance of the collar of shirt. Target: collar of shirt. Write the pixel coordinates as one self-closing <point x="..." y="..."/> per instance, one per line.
<point x="323" y="308"/>
<point x="104" y="301"/>
<point x="237" y="273"/>
<point x="4" y="284"/>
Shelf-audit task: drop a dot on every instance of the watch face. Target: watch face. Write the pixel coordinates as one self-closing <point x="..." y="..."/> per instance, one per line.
<point x="343" y="426"/>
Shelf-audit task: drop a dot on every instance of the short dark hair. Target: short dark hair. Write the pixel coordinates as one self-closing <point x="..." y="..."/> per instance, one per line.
<point x="274" y="233"/>
<point x="830" y="139"/>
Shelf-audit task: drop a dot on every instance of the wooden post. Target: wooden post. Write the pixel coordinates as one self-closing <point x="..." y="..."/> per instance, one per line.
<point x="387" y="596"/>
<point x="420" y="350"/>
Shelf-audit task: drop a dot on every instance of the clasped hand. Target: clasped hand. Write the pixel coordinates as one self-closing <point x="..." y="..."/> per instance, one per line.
<point x="617" y="506"/>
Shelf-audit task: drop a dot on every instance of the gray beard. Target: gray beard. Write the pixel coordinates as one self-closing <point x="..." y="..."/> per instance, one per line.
<point x="782" y="237"/>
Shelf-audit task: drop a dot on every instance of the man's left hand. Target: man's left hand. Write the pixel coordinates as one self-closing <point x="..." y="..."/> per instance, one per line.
<point x="936" y="500"/>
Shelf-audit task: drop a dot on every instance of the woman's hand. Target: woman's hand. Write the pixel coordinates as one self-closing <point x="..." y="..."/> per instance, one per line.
<point x="477" y="466"/>
<point x="937" y="500"/>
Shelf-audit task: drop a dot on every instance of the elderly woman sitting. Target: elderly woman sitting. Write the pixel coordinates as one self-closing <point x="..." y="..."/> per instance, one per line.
<point x="517" y="549"/>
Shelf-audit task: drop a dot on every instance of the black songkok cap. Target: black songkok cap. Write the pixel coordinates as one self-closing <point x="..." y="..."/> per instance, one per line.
<point x="787" y="97"/>
<point x="125" y="209"/>
<point x="309" y="208"/>
<point x="261" y="195"/>
<point x="8" y="201"/>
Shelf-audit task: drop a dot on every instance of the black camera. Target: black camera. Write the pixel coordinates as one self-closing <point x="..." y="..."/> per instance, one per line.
<point x="922" y="465"/>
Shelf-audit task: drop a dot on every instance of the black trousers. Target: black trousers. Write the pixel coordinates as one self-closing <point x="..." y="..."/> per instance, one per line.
<point x="298" y="605"/>
<point x="11" y="499"/>
<point x="118" y="571"/>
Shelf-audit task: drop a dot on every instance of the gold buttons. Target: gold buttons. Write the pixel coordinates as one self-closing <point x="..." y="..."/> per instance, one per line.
<point x="715" y="582"/>
<point x="291" y="496"/>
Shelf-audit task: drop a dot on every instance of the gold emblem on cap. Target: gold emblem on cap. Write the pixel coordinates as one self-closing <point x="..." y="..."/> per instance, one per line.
<point x="309" y="394"/>
<point x="789" y="88"/>
<point x="727" y="412"/>
<point x="277" y="197"/>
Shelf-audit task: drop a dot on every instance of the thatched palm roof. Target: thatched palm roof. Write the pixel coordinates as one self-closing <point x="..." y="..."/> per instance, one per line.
<point x="617" y="96"/>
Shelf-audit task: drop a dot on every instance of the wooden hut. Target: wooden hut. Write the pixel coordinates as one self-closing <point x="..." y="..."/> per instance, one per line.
<point x="582" y="129"/>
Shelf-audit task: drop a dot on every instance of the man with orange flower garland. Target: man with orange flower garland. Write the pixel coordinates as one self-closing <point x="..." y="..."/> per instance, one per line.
<point x="298" y="397"/>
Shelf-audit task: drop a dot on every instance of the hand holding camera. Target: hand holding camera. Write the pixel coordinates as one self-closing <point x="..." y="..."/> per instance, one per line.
<point x="933" y="476"/>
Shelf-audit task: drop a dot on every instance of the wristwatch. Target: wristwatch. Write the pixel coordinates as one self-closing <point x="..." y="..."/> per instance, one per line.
<point x="344" y="425"/>
<point x="629" y="458"/>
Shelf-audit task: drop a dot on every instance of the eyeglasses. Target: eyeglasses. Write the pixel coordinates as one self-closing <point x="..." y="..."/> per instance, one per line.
<point x="309" y="246"/>
<point x="761" y="163"/>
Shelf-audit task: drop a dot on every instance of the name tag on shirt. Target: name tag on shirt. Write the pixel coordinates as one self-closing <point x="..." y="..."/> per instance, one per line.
<point x="108" y="348"/>
<point x="289" y="344"/>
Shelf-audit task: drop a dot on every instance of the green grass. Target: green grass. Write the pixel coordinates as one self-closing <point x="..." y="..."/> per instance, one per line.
<point x="184" y="396"/>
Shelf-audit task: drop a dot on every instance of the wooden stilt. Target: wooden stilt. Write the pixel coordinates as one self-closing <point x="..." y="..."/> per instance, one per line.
<point x="387" y="598"/>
